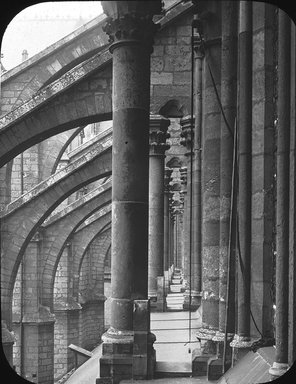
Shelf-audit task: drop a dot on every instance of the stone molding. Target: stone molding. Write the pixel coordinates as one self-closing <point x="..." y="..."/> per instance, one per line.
<point x="102" y="146"/>
<point x="56" y="87"/>
<point x="242" y="342"/>
<point x="187" y="134"/>
<point x="130" y="22"/>
<point x="158" y="134"/>
<point x="205" y="333"/>
<point x="167" y="179"/>
<point x="42" y="316"/>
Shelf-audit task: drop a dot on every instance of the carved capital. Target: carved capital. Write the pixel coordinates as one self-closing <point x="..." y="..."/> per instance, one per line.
<point x="198" y="46"/>
<point x="131" y="21"/>
<point x="158" y="134"/>
<point x="183" y="174"/>
<point x="167" y="179"/>
<point x="187" y="134"/>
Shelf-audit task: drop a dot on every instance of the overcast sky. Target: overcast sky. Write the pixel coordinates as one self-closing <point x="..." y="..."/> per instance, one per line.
<point x="40" y="25"/>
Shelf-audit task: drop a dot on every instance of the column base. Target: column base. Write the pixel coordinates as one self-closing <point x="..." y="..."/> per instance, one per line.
<point x="129" y="354"/>
<point x="241" y="345"/>
<point x="278" y="369"/>
<point x="215" y="368"/>
<point x="200" y="363"/>
<point x="195" y="300"/>
<point x="203" y="360"/>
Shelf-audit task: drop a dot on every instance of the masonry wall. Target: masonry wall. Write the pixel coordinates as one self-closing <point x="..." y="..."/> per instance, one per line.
<point x="171" y="65"/>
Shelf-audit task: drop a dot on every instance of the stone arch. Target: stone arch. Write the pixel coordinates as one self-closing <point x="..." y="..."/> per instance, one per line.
<point x="23" y="230"/>
<point x="33" y="74"/>
<point x="174" y="162"/>
<point x="57" y="234"/>
<point x="104" y="246"/>
<point x="173" y="108"/>
<point x="5" y="184"/>
<point x="62" y="150"/>
<point x="63" y="105"/>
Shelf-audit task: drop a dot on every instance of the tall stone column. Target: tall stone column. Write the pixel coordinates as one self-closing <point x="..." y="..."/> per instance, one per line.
<point x="166" y="227"/>
<point x="263" y="172"/>
<point x="130" y="29"/>
<point x="211" y="122"/>
<point x="242" y="340"/>
<point x="191" y="218"/>
<point x="186" y="217"/>
<point x="158" y="146"/>
<point x="229" y="12"/>
<point x="172" y="241"/>
<point x="280" y="366"/>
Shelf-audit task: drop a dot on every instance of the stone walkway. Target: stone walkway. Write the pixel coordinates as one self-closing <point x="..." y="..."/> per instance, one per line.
<point x="173" y="352"/>
<point x="170" y="380"/>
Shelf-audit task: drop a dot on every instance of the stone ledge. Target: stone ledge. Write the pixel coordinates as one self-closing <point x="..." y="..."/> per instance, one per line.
<point x="78" y="203"/>
<point x="66" y="81"/>
<point x="66" y="304"/>
<point x="102" y="147"/>
<point x="102" y="212"/>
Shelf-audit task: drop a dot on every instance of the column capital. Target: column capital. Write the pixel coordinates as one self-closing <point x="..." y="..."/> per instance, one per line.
<point x="183" y="174"/>
<point x="198" y="46"/>
<point x="158" y="134"/>
<point x="131" y="21"/>
<point x="187" y="126"/>
<point x="167" y="179"/>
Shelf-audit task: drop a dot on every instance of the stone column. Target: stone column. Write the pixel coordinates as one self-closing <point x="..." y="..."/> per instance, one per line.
<point x="186" y="217"/>
<point x="263" y="173"/>
<point x="37" y="332"/>
<point x="229" y="12"/>
<point x="280" y="366"/>
<point x="158" y="146"/>
<point x="130" y="29"/>
<point x="172" y="241"/>
<point x="166" y="230"/>
<point x="292" y="223"/>
<point x="191" y="219"/>
<point x="211" y="121"/>
<point x="242" y="339"/>
<point x="197" y="164"/>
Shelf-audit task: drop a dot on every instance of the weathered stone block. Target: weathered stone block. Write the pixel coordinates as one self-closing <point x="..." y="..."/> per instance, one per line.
<point x="215" y="368"/>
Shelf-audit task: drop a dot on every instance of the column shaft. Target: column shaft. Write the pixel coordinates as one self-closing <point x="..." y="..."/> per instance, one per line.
<point x="156" y="222"/>
<point x="211" y="194"/>
<point x="197" y="169"/>
<point x="244" y="150"/>
<point x="166" y="249"/>
<point x="228" y="101"/>
<point x="158" y="135"/>
<point x="282" y="208"/>
<point x="130" y="173"/>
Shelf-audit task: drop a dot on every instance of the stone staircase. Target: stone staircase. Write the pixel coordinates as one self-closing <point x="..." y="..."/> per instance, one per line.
<point x="175" y="297"/>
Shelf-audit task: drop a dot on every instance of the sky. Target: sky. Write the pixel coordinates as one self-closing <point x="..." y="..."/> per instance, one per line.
<point x="40" y="25"/>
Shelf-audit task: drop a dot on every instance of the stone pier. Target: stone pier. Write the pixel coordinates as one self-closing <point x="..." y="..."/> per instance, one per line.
<point x="37" y="323"/>
<point x="130" y="29"/>
<point x="158" y="146"/>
